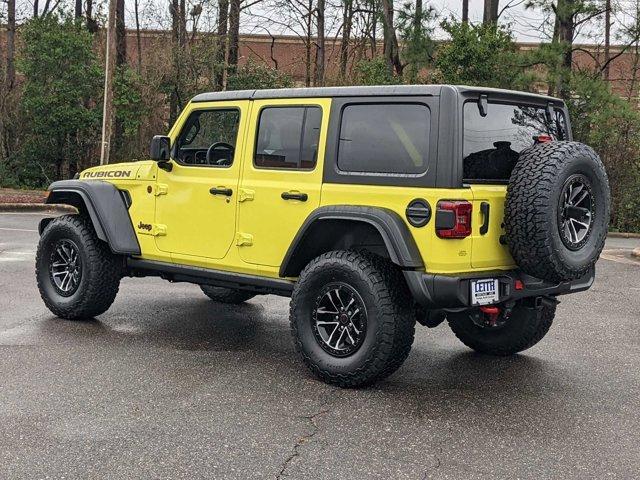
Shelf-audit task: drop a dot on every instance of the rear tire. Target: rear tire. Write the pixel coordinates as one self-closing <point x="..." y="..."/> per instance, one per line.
<point x="78" y="276"/>
<point x="226" y="295"/>
<point x="373" y="313"/>
<point x="522" y="330"/>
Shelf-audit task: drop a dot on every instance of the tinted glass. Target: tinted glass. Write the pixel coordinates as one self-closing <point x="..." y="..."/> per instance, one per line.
<point x="203" y="129"/>
<point x="288" y="137"/>
<point x="492" y="144"/>
<point x="384" y="138"/>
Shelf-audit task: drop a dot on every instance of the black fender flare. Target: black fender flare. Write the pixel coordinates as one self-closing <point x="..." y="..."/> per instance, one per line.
<point x="394" y="231"/>
<point x="105" y="206"/>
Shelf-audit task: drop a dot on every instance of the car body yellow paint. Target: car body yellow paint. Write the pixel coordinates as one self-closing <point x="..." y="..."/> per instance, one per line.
<point x="177" y="220"/>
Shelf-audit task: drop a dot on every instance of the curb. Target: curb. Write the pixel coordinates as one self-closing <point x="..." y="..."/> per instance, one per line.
<point x="623" y="235"/>
<point x="36" y="207"/>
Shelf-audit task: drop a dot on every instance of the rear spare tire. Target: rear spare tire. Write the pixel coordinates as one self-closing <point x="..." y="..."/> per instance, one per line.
<point x="557" y="210"/>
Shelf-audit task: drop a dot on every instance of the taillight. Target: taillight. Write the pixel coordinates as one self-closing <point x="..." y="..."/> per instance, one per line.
<point x="453" y="219"/>
<point x="542" y="139"/>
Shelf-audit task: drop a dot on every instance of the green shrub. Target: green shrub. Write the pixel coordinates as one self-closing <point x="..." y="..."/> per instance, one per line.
<point x="256" y="76"/>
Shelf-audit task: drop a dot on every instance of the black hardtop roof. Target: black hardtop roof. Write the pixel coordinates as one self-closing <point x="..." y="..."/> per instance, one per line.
<point x="370" y="91"/>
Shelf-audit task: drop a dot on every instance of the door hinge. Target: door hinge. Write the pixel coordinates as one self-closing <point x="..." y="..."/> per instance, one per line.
<point x="158" y="230"/>
<point x="245" y="194"/>
<point x="161" y="189"/>
<point x="244" y="239"/>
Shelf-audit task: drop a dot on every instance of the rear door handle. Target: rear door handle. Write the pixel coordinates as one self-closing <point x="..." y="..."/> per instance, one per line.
<point x="221" y="191"/>
<point x="294" y="196"/>
<point x="484" y="210"/>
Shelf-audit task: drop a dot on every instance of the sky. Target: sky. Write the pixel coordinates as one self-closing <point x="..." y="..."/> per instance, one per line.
<point x="526" y="24"/>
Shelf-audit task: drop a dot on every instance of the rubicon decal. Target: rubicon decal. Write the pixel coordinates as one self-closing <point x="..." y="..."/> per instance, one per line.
<point x="108" y="174"/>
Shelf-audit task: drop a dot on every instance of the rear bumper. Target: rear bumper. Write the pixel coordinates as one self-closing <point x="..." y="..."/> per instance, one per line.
<point x="453" y="291"/>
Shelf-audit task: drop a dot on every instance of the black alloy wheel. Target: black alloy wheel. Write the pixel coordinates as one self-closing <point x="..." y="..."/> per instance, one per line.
<point x="65" y="267"/>
<point x="339" y="319"/>
<point x="576" y="211"/>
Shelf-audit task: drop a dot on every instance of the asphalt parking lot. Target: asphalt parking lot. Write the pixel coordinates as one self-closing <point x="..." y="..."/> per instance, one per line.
<point x="168" y="384"/>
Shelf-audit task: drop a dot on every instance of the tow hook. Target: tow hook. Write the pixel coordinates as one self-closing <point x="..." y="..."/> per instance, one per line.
<point x="492" y="312"/>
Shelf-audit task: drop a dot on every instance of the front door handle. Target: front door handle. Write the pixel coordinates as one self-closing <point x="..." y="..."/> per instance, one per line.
<point x="294" y="196"/>
<point x="484" y="209"/>
<point x="221" y="191"/>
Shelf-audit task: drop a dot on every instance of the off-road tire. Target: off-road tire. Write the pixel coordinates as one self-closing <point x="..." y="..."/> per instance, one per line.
<point x="226" y="295"/>
<point x="101" y="270"/>
<point x="522" y="330"/>
<point x="390" y="317"/>
<point x="533" y="210"/>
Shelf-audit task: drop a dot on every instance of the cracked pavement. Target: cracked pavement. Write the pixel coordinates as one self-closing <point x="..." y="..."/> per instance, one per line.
<point x="167" y="384"/>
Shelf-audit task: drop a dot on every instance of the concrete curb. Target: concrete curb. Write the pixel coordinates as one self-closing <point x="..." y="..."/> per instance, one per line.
<point x="623" y="235"/>
<point x="36" y="207"/>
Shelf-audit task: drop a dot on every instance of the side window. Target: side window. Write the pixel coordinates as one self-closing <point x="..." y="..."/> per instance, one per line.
<point x="208" y="138"/>
<point x="288" y="138"/>
<point x="384" y="138"/>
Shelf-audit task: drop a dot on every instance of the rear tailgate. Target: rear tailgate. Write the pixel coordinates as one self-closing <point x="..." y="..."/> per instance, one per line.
<point x="488" y="214"/>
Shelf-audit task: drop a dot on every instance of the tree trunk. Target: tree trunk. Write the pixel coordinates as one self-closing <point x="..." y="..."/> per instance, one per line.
<point x="320" y="46"/>
<point x="11" y="43"/>
<point x="223" y="20"/>
<point x="121" y="61"/>
<point x="607" y="38"/>
<point x="78" y="9"/>
<point x="307" y="46"/>
<point x="566" y="13"/>
<point x="121" y="38"/>
<point x="234" y="34"/>
<point x="175" y="42"/>
<point x="347" y="19"/>
<point x="391" y="50"/>
<point x="136" y="9"/>
<point x="36" y="7"/>
<point x="108" y="112"/>
<point x="92" y="25"/>
<point x="465" y="11"/>
<point x="490" y="12"/>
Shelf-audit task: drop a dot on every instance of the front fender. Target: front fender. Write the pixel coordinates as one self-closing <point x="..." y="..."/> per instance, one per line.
<point x="106" y="208"/>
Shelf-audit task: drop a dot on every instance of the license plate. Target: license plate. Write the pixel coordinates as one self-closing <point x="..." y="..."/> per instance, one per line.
<point x="484" y="292"/>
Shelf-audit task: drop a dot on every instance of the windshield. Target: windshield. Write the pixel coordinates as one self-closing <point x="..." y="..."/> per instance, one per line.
<point x="492" y="143"/>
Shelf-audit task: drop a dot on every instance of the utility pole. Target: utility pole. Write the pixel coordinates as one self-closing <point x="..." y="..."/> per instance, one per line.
<point x="110" y="65"/>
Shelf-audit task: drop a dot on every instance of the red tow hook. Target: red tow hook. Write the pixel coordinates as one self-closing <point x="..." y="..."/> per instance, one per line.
<point x="492" y="312"/>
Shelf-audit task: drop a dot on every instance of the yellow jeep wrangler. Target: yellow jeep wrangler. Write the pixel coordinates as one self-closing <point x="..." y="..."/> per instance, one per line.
<point x="371" y="207"/>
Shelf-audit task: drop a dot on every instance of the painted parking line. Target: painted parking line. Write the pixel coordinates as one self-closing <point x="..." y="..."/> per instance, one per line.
<point x="18" y="230"/>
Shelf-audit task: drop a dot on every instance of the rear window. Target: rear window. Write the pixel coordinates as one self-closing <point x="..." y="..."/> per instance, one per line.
<point x="492" y="144"/>
<point x="384" y="139"/>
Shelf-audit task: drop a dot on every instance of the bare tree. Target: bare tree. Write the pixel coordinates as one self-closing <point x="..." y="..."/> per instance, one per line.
<point x="223" y="20"/>
<point x="78" y="9"/>
<point x="35" y="8"/>
<point x="607" y="38"/>
<point x="347" y="22"/>
<point x="11" y="43"/>
<point x="136" y="12"/>
<point x="490" y="12"/>
<point x="320" y="45"/>
<point x="234" y="34"/>
<point x="465" y="11"/>
<point x="391" y="49"/>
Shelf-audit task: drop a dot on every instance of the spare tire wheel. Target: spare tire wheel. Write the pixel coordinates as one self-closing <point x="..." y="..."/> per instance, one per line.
<point x="557" y="210"/>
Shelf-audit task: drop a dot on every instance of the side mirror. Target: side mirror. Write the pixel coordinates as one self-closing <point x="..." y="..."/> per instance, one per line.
<point x="160" y="148"/>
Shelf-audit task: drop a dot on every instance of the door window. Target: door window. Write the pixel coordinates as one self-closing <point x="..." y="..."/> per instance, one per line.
<point x="208" y="138"/>
<point x="288" y="138"/>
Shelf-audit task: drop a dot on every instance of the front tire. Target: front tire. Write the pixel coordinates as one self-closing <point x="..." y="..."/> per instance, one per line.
<point x="523" y="329"/>
<point x="352" y="318"/>
<point x="78" y="276"/>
